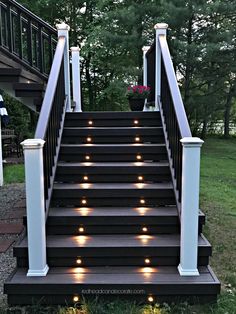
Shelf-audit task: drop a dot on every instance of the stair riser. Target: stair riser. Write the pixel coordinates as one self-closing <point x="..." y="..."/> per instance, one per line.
<point x="81" y="157"/>
<point x="104" y="229"/>
<point x="9" y="79"/>
<point x="62" y="299"/>
<point x="58" y="261"/>
<point x="112" y="139"/>
<point x="96" y="178"/>
<point x="112" y="202"/>
<point x="112" y="123"/>
<point x="28" y="93"/>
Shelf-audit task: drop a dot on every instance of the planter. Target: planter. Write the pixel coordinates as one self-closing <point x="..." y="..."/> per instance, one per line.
<point x="136" y="104"/>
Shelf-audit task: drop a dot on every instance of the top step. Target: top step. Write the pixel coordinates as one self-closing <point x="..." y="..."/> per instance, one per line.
<point x="96" y="119"/>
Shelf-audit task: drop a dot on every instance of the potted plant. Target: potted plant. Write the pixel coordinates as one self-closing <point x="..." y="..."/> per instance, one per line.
<point x="136" y="96"/>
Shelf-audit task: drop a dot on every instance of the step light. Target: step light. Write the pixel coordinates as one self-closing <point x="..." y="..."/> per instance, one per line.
<point x="150" y="299"/>
<point x="87" y="157"/>
<point x="75" y="298"/>
<point x="138" y="157"/>
<point x="81" y="229"/>
<point x="78" y="261"/>
<point x="147" y="261"/>
<point x="90" y="122"/>
<point x="140" y="178"/>
<point x="84" y="202"/>
<point x="85" y="178"/>
<point x="89" y="139"/>
<point x="142" y="201"/>
<point x="137" y="139"/>
<point x="144" y="229"/>
<point x="135" y="122"/>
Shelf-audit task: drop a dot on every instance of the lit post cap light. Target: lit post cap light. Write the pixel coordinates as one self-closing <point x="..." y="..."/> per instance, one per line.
<point x="75" y="298"/>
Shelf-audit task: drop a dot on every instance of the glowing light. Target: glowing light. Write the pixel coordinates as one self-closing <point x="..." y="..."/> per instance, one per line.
<point x="81" y="239"/>
<point x="137" y="139"/>
<point x="142" y="201"/>
<point x="79" y="261"/>
<point x="144" y="238"/>
<point x="140" y="178"/>
<point x="84" y="211"/>
<point x="147" y="261"/>
<point x="85" y="178"/>
<point x="75" y="299"/>
<point x="89" y="139"/>
<point x="136" y="122"/>
<point x="87" y="157"/>
<point x="84" y="202"/>
<point x="90" y="122"/>
<point x="145" y="229"/>
<point x="150" y="299"/>
<point x="81" y="229"/>
<point x="147" y="270"/>
<point x="139" y="157"/>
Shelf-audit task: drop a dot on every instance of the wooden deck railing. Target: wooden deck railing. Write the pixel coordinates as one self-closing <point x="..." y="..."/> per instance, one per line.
<point x="183" y="150"/>
<point x="26" y="38"/>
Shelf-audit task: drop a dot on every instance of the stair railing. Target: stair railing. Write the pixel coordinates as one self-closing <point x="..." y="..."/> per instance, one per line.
<point x="26" y="38"/>
<point x="41" y="154"/>
<point x="183" y="150"/>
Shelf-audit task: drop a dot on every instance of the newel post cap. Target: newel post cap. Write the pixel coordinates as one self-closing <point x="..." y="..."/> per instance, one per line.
<point x="63" y="26"/>
<point x="191" y="142"/>
<point x="75" y="49"/>
<point x="34" y="143"/>
<point x="145" y="48"/>
<point x="161" y="26"/>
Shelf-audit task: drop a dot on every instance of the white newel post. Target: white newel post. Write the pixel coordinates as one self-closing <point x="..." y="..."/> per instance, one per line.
<point x="1" y="165"/>
<point x="145" y="49"/>
<point x="190" y="206"/>
<point x="35" y="206"/>
<point x="160" y="30"/>
<point x="76" y="78"/>
<point x="63" y="30"/>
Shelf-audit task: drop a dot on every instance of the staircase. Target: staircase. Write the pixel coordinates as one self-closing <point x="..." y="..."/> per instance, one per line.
<point x="112" y="197"/>
<point x="113" y="226"/>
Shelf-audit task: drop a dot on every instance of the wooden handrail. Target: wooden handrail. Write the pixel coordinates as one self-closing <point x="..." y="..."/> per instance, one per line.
<point x="174" y="89"/>
<point x="50" y="90"/>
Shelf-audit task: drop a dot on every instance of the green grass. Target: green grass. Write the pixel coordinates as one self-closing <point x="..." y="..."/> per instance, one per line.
<point x="13" y="174"/>
<point x="218" y="202"/>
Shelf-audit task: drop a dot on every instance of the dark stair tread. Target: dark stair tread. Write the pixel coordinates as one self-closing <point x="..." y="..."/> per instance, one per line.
<point x="115" y="241"/>
<point x="113" y="145"/>
<point x="113" y="164"/>
<point x="62" y="276"/>
<point x="107" y="128"/>
<point x="113" y="186"/>
<point x="113" y="212"/>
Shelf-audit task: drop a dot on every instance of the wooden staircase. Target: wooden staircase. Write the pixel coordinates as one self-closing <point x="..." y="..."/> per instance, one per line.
<point x="113" y="227"/>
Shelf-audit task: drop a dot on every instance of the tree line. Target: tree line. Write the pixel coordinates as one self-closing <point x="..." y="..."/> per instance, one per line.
<point x="111" y="34"/>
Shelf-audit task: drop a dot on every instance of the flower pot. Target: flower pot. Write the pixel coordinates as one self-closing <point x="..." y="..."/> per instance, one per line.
<point x="136" y="104"/>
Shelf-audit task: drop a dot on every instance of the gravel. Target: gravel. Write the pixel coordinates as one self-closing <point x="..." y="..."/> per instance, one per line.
<point x="9" y="196"/>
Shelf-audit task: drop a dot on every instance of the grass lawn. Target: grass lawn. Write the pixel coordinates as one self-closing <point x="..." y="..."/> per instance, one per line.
<point x="13" y="174"/>
<point x="218" y="202"/>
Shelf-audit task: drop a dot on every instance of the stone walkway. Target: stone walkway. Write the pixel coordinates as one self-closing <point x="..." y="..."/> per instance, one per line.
<point x="12" y="210"/>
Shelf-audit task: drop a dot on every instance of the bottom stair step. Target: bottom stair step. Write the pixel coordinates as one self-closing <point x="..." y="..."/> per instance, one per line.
<point x="62" y="285"/>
